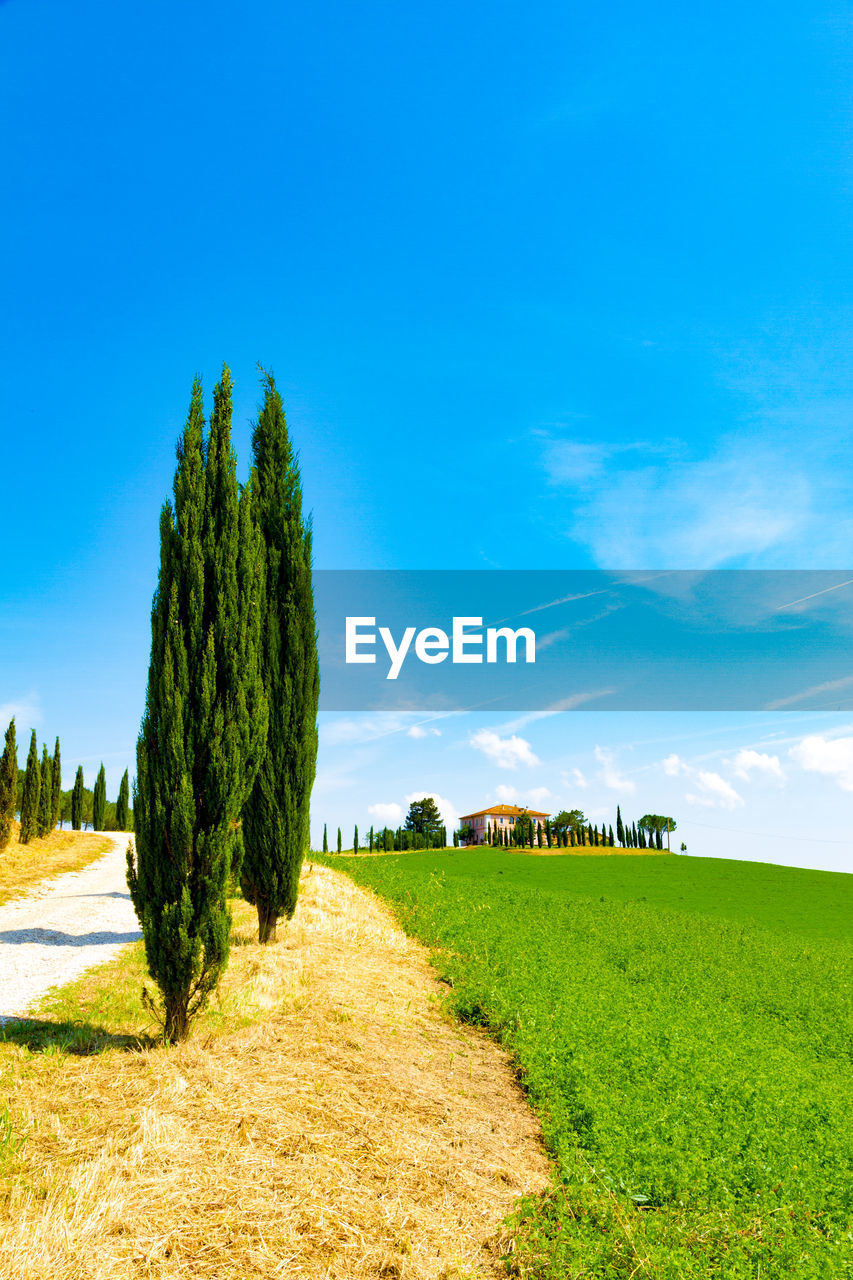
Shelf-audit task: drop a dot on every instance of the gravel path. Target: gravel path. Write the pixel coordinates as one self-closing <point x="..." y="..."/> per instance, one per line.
<point x="62" y="927"/>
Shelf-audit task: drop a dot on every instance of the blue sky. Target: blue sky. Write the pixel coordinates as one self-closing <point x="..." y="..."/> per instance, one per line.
<point x="543" y="286"/>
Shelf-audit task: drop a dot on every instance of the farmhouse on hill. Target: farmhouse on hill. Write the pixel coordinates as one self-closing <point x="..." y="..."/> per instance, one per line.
<point x="502" y="816"/>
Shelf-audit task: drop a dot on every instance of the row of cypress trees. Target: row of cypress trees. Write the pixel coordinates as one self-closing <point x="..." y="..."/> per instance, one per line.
<point x="391" y="841"/>
<point x="227" y="748"/>
<point x="40" y="799"/>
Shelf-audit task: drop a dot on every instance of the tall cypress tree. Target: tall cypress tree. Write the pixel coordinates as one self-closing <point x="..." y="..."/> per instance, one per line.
<point x="77" y="800"/>
<point x="620" y="830"/>
<point x="45" y="806"/>
<point x="339" y="839"/>
<point x="8" y="785"/>
<point x="56" y="788"/>
<point x="355" y="840"/>
<point x="30" y="797"/>
<point x="122" y="804"/>
<point x="99" y="801"/>
<point x="205" y="720"/>
<point x="276" y="816"/>
<point x="370" y="839"/>
<point x="325" y="840"/>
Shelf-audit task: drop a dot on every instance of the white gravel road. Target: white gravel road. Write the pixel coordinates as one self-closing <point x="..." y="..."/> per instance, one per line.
<point x="64" y="926"/>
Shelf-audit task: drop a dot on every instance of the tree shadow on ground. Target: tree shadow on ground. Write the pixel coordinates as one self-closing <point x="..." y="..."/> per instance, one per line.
<point x="81" y="1038"/>
<point x="56" y="937"/>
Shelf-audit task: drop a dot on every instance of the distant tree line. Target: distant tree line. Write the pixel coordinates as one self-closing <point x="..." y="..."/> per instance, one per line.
<point x="35" y="793"/>
<point x="424" y="828"/>
<point x="568" y="829"/>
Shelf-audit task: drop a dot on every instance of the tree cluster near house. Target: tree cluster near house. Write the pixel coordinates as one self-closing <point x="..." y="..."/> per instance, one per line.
<point x="423" y="828"/>
<point x="227" y="750"/>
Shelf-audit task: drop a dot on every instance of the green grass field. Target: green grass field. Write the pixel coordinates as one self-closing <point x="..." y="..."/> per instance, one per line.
<point x="682" y="1027"/>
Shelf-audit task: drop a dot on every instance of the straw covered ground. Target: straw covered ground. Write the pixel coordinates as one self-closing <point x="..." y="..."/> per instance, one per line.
<point x="24" y="866"/>
<point x="325" y="1120"/>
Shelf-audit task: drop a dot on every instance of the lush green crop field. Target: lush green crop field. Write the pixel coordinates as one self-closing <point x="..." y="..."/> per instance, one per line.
<point x="683" y="1027"/>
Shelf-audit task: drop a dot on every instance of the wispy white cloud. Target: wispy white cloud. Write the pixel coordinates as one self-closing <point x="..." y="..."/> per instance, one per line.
<point x="506" y="753"/>
<point x="556" y="708"/>
<point x="713" y="792"/>
<point x="26" y="712"/>
<point x="418" y="731"/>
<point x="832" y="757"/>
<point x="390" y="815"/>
<point x="610" y="775"/>
<point x="380" y="724"/>
<point x="816" y="691"/>
<point x="745" y="502"/>
<point x="506" y="794"/>
<point x="712" y="789"/>
<point x="748" y="762"/>
<point x="576" y="778"/>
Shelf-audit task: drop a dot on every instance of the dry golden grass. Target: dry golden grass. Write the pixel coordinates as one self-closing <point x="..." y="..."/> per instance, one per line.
<point x="326" y="1120"/>
<point x="22" y="866"/>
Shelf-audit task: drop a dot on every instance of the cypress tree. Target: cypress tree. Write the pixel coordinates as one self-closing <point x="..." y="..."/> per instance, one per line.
<point x="339" y="839"/>
<point x="634" y="835"/>
<point x="122" y="809"/>
<point x="205" y="719"/>
<point x="370" y="840"/>
<point x="659" y="839"/>
<point x="620" y="830"/>
<point x="276" y="816"/>
<point x="56" y="788"/>
<point x="99" y="801"/>
<point x="325" y="839"/>
<point x="77" y="800"/>
<point x="610" y="838"/>
<point x="8" y="785"/>
<point x="355" y="840"/>
<point x="45" y="806"/>
<point x="30" y="797"/>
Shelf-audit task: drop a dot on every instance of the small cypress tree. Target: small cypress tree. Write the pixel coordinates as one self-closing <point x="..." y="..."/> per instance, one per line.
<point x="355" y="840"/>
<point x="325" y="839"/>
<point x="370" y="840"/>
<point x="30" y="796"/>
<point x="339" y="840"/>
<point x="205" y="721"/>
<point x="77" y="800"/>
<point x="122" y="804"/>
<point x="455" y="839"/>
<point x="99" y="801"/>
<point x="8" y="785"/>
<point x="56" y="789"/>
<point x="45" y="807"/>
<point x="610" y="838"/>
